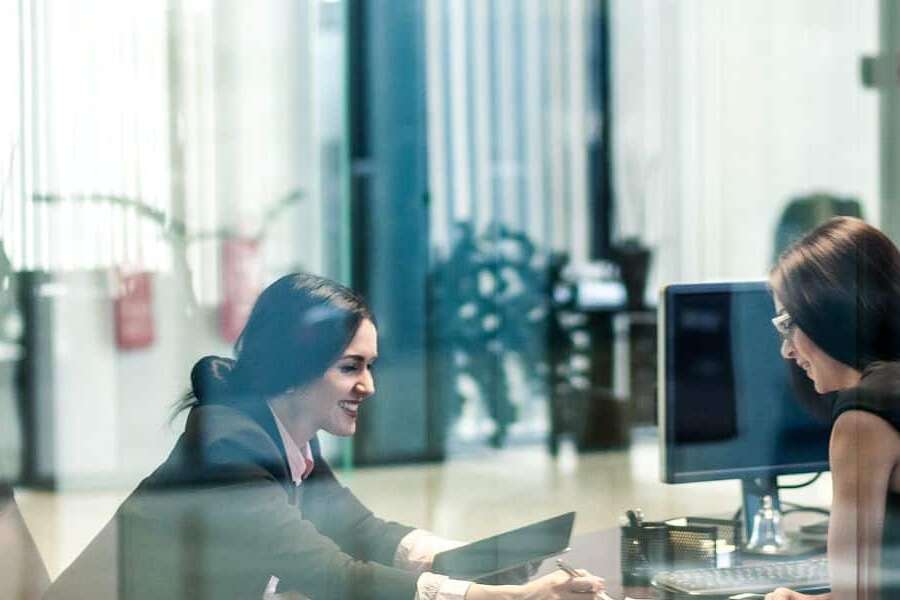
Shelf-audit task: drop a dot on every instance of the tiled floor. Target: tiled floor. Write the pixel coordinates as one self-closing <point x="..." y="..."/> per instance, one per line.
<point x="465" y="498"/>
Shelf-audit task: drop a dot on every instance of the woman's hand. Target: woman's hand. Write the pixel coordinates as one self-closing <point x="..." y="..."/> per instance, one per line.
<point x="786" y="594"/>
<point x="555" y="586"/>
<point x="560" y="586"/>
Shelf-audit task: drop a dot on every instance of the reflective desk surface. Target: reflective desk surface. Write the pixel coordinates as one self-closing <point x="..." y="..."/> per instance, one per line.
<point x="598" y="552"/>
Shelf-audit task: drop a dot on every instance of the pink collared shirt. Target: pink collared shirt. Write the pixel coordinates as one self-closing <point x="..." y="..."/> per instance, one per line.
<point x="416" y="549"/>
<point x="300" y="460"/>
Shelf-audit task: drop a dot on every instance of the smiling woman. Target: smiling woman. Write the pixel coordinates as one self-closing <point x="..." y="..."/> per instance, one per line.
<point x="837" y="299"/>
<point x="245" y="506"/>
<point x="332" y="402"/>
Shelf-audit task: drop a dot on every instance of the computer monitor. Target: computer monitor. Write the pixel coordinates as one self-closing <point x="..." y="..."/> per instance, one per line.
<point x="727" y="409"/>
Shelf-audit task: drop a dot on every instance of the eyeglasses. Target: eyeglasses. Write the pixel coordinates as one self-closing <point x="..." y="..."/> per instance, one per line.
<point x="785" y="326"/>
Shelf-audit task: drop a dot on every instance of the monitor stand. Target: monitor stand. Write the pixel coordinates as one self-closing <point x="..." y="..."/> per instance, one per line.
<point x="753" y="492"/>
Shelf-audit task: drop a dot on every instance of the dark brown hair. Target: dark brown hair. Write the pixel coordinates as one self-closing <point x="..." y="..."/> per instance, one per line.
<point x="298" y="327"/>
<point x="841" y="285"/>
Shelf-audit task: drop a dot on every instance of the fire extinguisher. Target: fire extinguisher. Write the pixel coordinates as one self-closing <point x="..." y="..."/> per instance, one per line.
<point x="133" y="309"/>
<point x="241" y="284"/>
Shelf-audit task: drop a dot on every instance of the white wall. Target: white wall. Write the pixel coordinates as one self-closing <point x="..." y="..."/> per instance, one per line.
<point x="726" y="109"/>
<point x="149" y="381"/>
<point x="103" y="412"/>
<point x="267" y="126"/>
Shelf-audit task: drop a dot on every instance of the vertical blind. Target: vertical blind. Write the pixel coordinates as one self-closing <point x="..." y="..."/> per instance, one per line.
<point x="512" y="116"/>
<point x="86" y="134"/>
<point x="139" y="135"/>
<point x="509" y="117"/>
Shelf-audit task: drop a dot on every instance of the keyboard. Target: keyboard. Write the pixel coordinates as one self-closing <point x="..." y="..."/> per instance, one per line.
<point x="808" y="574"/>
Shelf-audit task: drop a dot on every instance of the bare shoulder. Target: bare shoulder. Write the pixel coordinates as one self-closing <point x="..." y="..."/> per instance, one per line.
<point x="860" y="426"/>
<point x="863" y="438"/>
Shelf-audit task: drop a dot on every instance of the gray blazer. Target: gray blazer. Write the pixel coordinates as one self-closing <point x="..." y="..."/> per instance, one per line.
<point x="221" y="515"/>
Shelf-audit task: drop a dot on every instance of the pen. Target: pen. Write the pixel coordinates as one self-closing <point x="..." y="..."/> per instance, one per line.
<point x="571" y="572"/>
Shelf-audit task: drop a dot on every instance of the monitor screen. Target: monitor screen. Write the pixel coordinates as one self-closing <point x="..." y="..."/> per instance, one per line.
<point x="727" y="409"/>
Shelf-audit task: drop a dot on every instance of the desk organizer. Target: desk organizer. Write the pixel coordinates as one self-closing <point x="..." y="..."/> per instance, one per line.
<point x="659" y="546"/>
<point x="643" y="551"/>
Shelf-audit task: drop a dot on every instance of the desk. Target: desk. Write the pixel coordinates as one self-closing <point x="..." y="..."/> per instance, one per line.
<point x="598" y="552"/>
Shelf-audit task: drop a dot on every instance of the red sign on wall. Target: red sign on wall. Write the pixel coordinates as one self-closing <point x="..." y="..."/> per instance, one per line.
<point x="241" y="276"/>
<point x="133" y="309"/>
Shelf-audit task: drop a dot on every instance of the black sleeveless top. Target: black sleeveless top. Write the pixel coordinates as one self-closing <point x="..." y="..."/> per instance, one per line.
<point x="878" y="393"/>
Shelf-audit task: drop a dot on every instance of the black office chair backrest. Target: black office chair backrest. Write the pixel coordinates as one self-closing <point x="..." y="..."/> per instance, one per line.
<point x="23" y="575"/>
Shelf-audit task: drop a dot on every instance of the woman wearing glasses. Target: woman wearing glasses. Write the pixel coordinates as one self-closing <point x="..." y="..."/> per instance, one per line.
<point x="837" y="299"/>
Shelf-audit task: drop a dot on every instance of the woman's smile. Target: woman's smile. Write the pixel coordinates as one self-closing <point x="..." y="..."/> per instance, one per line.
<point x="333" y="402"/>
<point x="351" y="407"/>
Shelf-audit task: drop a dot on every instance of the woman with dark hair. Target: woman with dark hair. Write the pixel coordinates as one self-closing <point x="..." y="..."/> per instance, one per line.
<point x="837" y="300"/>
<point x="246" y="507"/>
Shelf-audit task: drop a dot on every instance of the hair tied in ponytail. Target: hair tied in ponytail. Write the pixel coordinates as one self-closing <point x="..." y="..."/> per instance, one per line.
<point x="210" y="377"/>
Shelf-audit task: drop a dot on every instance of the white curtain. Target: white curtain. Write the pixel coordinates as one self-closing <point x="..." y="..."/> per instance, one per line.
<point x="510" y="118"/>
<point x="247" y="93"/>
<point x="724" y="110"/>
<point x="85" y="136"/>
<point x="136" y="132"/>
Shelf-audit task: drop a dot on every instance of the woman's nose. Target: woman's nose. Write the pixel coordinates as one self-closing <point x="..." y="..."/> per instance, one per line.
<point x="787" y="349"/>
<point x="366" y="385"/>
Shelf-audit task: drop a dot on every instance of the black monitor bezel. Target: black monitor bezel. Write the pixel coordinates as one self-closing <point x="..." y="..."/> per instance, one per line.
<point x="665" y="395"/>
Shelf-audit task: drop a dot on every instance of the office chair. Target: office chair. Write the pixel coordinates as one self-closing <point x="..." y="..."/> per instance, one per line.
<point x="23" y="575"/>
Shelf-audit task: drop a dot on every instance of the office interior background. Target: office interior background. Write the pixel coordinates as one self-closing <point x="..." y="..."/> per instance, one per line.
<point x="509" y="182"/>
